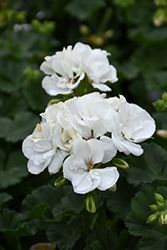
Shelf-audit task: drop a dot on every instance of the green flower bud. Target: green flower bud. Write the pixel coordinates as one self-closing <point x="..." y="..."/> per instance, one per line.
<point x="60" y="181"/>
<point x="53" y="101"/>
<point x="153" y="217"/>
<point x="159" y="17"/>
<point x="120" y="163"/>
<point x="113" y="188"/>
<point x="91" y="204"/>
<point x="30" y="74"/>
<point x="84" y="30"/>
<point x="154" y="207"/>
<point x="159" y="197"/>
<point x="164" y="96"/>
<point x="161" y="205"/>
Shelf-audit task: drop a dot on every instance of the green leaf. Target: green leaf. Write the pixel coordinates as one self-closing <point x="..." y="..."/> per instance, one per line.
<point x="12" y="104"/>
<point x="23" y="124"/>
<point x="4" y="197"/>
<point x="102" y="240"/>
<point x="150" y="166"/>
<point x="82" y="10"/>
<point x="14" y="170"/>
<point x="37" y="211"/>
<point x="18" y="128"/>
<point x="119" y="199"/>
<point x="71" y="202"/>
<point x="153" y="236"/>
<point x="129" y="70"/>
<point x="10" y="74"/>
<point x="5" y="126"/>
<point x="41" y="198"/>
<point x="156" y="80"/>
<point x="10" y="221"/>
<point x="35" y="95"/>
<point x="63" y="236"/>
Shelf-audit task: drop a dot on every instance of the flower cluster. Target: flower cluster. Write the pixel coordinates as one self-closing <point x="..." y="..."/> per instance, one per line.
<point x="84" y="133"/>
<point x="66" y="69"/>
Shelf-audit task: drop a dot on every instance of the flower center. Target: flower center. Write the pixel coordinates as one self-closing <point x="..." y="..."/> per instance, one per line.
<point x="90" y="166"/>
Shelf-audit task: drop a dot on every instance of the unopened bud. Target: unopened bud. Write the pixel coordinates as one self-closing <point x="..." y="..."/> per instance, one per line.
<point x="164" y="96"/>
<point x="159" y="197"/>
<point x="153" y="217"/>
<point x="60" y="181"/>
<point x="53" y="101"/>
<point x="91" y="204"/>
<point x="84" y="30"/>
<point x="162" y="133"/>
<point x="154" y="207"/>
<point x="113" y="188"/>
<point x="120" y="163"/>
<point x="163" y="218"/>
<point x="161" y="205"/>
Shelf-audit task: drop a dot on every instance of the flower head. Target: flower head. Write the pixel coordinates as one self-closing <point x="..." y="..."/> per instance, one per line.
<point x="67" y="68"/>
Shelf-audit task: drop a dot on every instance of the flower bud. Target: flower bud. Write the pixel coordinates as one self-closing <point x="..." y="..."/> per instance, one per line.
<point x="159" y="197"/>
<point x="60" y="181"/>
<point x="84" y="30"/>
<point x="43" y="246"/>
<point x="161" y="205"/>
<point x="154" y="207"/>
<point x="113" y="188"/>
<point x="53" y="101"/>
<point x="162" y="133"/>
<point x="163" y="218"/>
<point x="120" y="163"/>
<point x="91" y="204"/>
<point x="153" y="217"/>
<point x="164" y="96"/>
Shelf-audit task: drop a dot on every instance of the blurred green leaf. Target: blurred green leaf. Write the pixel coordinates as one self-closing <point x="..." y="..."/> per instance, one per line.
<point x="84" y="9"/>
<point x="14" y="170"/>
<point x="11" y="74"/>
<point x="18" y="128"/>
<point x="35" y="95"/>
<point x="4" y="197"/>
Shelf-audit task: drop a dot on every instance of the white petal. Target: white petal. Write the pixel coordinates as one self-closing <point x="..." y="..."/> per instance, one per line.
<point x="101" y="86"/>
<point x="35" y="169"/>
<point x="85" y="183"/>
<point x="109" y="148"/>
<point x="97" y="152"/>
<point x="108" y="177"/>
<point x="56" y="162"/>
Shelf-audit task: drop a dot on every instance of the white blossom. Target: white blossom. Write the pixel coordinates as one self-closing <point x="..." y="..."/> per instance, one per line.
<point x="80" y="168"/>
<point x="67" y="68"/>
<point x="134" y="125"/>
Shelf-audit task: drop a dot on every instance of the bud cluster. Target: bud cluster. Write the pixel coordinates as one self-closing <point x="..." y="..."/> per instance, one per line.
<point x="160" y="209"/>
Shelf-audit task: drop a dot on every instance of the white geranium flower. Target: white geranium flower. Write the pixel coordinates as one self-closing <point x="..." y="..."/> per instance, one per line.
<point x="67" y="68"/>
<point x="134" y="125"/>
<point x="81" y="170"/>
<point x="115" y="101"/>
<point x="41" y="151"/>
<point x="87" y="115"/>
<point x="65" y="139"/>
